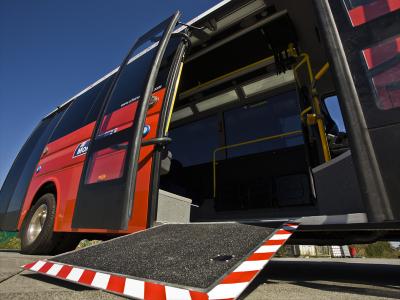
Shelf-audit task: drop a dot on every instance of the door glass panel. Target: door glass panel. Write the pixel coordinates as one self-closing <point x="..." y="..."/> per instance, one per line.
<point x="108" y="178"/>
<point x="383" y="64"/>
<point x="363" y="11"/>
<point x="120" y="109"/>
<point x="195" y="142"/>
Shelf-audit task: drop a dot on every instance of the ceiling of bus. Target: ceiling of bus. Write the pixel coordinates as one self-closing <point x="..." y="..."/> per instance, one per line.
<point x="229" y="56"/>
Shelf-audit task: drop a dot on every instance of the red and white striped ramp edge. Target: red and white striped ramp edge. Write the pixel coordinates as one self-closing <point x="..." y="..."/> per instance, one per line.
<point x="230" y="287"/>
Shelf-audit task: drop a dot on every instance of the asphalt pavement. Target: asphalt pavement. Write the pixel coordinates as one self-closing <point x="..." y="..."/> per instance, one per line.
<point x="282" y="279"/>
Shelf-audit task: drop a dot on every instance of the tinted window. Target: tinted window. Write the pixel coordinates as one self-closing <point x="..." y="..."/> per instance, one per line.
<point x="195" y="141"/>
<point x="383" y="64"/>
<point x="16" y="184"/>
<point x="276" y="115"/>
<point x="78" y="114"/>
<point x="133" y="78"/>
<point x="98" y="102"/>
<point x="362" y="11"/>
<point x="131" y="82"/>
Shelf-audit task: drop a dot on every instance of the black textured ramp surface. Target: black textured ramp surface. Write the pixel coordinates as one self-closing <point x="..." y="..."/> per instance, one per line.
<point x="174" y="254"/>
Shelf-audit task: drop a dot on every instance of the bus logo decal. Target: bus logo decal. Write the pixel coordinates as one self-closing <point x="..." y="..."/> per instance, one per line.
<point x="146" y="130"/>
<point x="81" y="149"/>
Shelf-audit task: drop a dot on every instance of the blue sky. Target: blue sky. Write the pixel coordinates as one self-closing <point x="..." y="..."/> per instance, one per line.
<point x="52" y="49"/>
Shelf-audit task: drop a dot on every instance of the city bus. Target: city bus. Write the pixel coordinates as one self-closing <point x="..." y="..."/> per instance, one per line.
<point x="257" y="111"/>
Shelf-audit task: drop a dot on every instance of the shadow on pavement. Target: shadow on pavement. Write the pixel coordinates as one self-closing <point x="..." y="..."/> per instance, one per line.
<point x="380" y="280"/>
<point x="58" y="282"/>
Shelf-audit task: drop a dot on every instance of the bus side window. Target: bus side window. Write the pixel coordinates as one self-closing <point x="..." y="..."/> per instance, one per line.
<point x="12" y="193"/>
<point x="79" y="113"/>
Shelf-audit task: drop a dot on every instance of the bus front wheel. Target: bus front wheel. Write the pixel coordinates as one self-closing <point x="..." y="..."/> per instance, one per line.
<point x="37" y="235"/>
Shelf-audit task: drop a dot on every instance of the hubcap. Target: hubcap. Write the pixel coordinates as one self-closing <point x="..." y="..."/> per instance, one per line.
<point x="37" y="222"/>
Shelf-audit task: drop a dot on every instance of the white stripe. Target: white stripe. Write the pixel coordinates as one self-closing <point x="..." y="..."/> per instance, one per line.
<point x="268" y="249"/>
<point x="229" y="290"/>
<point x="75" y="274"/>
<point x="100" y="280"/>
<point x="177" y="294"/>
<point x="38" y="265"/>
<point x="134" y="288"/>
<point x="278" y="236"/>
<point x="252" y="265"/>
<point x="54" y="269"/>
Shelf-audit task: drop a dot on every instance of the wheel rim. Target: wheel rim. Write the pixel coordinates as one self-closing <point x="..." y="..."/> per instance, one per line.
<point x="37" y="222"/>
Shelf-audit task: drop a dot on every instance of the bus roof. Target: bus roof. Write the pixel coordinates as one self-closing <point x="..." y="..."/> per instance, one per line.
<point x="179" y="29"/>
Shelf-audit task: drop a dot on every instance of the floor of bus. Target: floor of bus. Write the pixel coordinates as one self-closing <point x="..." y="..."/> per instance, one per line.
<point x="273" y="184"/>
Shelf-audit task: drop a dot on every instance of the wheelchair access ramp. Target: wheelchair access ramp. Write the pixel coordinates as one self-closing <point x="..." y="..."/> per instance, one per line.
<point x="173" y="261"/>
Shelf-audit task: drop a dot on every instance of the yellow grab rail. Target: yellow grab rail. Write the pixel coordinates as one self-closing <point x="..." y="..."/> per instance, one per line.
<point x="266" y="138"/>
<point x="174" y="98"/>
<point x="322" y="72"/>
<point x="261" y="62"/>
<point x="304" y="112"/>
<point x="315" y="101"/>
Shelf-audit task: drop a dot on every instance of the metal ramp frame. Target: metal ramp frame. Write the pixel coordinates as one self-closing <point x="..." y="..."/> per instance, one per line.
<point x="228" y="286"/>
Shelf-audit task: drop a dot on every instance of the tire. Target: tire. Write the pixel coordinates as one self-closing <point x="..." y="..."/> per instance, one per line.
<point x="37" y="235"/>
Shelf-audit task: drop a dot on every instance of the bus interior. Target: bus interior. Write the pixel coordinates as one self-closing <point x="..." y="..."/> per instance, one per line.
<point x="256" y="127"/>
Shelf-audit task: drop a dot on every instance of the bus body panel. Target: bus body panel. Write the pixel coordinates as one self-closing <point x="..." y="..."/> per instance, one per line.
<point x="60" y="167"/>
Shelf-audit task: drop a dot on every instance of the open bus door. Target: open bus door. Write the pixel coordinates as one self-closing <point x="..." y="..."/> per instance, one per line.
<point x="363" y="40"/>
<point x="112" y="170"/>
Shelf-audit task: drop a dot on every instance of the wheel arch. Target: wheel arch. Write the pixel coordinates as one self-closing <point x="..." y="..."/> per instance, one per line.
<point x="47" y="187"/>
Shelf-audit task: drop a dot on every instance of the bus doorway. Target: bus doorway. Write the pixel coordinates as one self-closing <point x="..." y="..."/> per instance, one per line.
<point x="250" y="128"/>
<point x="261" y="167"/>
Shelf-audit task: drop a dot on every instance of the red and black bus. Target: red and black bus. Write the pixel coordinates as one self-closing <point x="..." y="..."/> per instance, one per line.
<point x="239" y="111"/>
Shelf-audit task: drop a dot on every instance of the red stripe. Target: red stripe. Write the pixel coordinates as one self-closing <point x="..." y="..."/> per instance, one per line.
<point x="45" y="267"/>
<point x="283" y="231"/>
<point x="87" y="277"/>
<point x="116" y="284"/>
<point x="275" y="242"/>
<point x="237" y="277"/>
<point x="153" y="291"/>
<point x="290" y="224"/>
<point x="198" y="295"/>
<point x="28" y="266"/>
<point x="65" y="270"/>
<point x="260" y="256"/>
